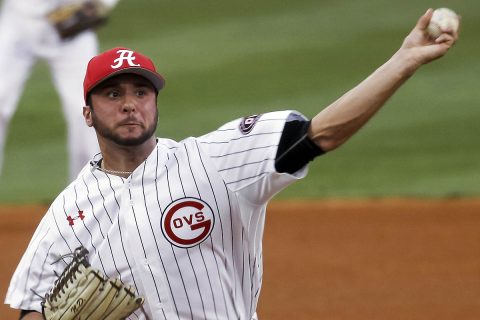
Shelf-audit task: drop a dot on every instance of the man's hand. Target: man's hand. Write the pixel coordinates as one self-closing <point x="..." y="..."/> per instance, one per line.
<point x="421" y="48"/>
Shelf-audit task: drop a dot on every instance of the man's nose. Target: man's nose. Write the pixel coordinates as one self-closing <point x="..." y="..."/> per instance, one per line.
<point x="129" y="104"/>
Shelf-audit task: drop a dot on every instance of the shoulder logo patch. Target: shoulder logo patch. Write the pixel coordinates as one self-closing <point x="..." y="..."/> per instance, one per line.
<point x="247" y="123"/>
<point x="187" y="222"/>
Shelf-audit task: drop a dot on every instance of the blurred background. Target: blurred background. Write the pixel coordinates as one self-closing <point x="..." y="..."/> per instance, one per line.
<point x="227" y="59"/>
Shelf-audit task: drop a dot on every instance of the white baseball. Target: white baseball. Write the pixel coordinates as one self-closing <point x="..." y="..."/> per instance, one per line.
<point x="442" y="19"/>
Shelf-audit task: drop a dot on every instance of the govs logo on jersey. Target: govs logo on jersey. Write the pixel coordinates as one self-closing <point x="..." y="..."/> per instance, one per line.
<point x="187" y="222"/>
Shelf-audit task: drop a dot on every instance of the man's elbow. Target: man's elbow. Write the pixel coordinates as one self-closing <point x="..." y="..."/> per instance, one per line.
<point x="328" y="144"/>
<point x="329" y="139"/>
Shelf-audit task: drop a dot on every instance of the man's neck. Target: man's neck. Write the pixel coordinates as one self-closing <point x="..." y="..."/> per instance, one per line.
<point x="125" y="158"/>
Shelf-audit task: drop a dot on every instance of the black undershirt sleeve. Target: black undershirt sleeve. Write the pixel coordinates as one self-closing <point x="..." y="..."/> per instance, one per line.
<point x="23" y="313"/>
<point x="295" y="149"/>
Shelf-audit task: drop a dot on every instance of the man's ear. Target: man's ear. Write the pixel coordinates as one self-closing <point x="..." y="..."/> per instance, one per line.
<point x="87" y="114"/>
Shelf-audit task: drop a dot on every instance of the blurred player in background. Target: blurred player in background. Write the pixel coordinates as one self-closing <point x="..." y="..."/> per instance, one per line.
<point x="61" y="33"/>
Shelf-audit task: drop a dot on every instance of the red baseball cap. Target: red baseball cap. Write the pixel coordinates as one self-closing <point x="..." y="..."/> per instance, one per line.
<point x="119" y="61"/>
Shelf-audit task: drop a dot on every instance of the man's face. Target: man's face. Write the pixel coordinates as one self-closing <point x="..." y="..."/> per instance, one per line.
<point x="124" y="110"/>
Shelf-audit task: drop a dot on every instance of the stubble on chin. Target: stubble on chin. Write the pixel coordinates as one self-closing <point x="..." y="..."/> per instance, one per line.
<point x="116" y="137"/>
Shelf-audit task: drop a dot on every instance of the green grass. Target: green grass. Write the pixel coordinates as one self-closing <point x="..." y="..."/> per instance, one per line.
<point x="227" y="59"/>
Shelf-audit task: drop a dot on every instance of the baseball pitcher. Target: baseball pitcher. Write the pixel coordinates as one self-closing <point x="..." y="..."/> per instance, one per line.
<point x="158" y="229"/>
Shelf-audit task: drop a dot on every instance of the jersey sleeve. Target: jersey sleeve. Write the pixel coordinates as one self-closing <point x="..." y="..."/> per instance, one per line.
<point x="244" y="150"/>
<point x="36" y="271"/>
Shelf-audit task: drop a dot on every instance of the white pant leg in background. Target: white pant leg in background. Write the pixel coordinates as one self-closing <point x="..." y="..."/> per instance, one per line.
<point x="23" y="40"/>
<point x="68" y="67"/>
<point x="16" y="61"/>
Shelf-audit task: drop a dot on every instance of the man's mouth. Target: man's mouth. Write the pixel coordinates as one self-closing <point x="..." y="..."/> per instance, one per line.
<point x="130" y="123"/>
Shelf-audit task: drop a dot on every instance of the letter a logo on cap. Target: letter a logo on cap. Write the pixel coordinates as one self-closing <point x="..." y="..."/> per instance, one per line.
<point x="127" y="56"/>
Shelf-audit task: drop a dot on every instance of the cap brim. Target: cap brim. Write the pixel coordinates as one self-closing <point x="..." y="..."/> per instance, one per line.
<point x="155" y="78"/>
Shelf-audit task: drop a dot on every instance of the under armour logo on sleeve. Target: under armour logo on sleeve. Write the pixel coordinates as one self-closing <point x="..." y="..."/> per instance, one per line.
<point x="71" y="220"/>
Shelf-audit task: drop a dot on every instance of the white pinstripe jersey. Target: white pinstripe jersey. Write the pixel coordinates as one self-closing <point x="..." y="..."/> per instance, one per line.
<point x="185" y="228"/>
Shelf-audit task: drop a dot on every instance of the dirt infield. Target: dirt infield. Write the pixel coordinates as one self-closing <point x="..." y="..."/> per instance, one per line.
<point x="379" y="259"/>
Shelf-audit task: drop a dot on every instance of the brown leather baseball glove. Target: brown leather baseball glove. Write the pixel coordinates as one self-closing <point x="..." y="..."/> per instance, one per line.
<point x="82" y="292"/>
<point x="69" y="20"/>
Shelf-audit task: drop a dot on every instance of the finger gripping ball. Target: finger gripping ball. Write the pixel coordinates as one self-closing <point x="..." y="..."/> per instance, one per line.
<point x="443" y="19"/>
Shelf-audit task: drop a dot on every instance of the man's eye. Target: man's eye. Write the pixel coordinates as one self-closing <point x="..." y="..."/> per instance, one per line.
<point x="141" y="93"/>
<point x="112" y="94"/>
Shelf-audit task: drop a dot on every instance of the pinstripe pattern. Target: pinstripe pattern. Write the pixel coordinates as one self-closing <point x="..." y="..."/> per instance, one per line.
<point x="185" y="228"/>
